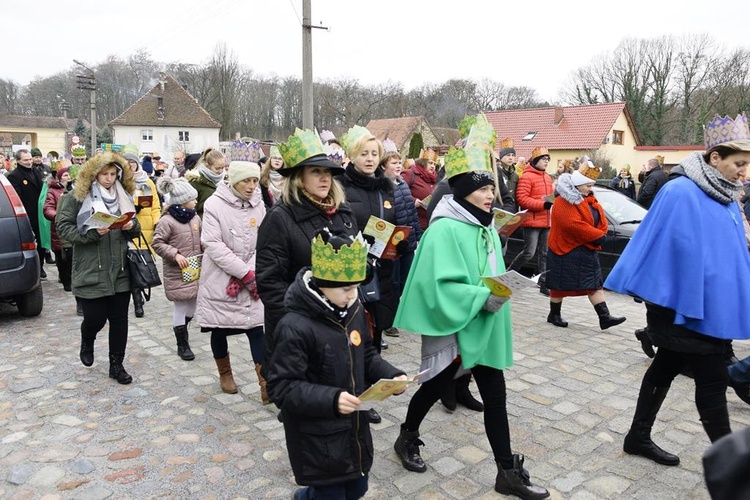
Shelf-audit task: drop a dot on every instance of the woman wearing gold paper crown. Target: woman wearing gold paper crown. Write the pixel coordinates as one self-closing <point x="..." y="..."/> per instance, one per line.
<point x="462" y="324"/>
<point x="683" y="262"/>
<point x="312" y="199"/>
<point x="370" y="193"/>
<point x="323" y="360"/>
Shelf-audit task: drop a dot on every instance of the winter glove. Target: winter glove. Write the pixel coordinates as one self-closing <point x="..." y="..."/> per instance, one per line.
<point x="249" y="282"/>
<point x="234" y="287"/>
<point x="547" y="205"/>
<point x="138" y="209"/>
<point x="494" y="303"/>
<point x="599" y="241"/>
<point x="402" y="247"/>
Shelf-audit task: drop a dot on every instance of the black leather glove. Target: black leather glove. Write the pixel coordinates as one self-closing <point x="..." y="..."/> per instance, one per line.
<point x="138" y="209"/>
<point x="599" y="241"/>
<point x="402" y="247"/>
<point x="547" y="205"/>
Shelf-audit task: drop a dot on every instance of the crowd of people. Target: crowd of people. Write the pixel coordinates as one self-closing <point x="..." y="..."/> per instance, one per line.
<point x="277" y="250"/>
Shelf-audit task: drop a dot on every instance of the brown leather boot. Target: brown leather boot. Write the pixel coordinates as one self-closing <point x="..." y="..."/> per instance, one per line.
<point x="262" y="383"/>
<point x="226" y="380"/>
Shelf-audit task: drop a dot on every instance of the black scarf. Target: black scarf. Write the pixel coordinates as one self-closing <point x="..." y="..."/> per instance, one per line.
<point x="181" y="214"/>
<point x="484" y="218"/>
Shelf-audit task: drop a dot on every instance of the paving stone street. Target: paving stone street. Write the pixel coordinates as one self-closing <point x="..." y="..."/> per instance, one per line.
<point x="67" y="431"/>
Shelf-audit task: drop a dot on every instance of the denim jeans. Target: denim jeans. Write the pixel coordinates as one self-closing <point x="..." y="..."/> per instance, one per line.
<point x="534" y="243"/>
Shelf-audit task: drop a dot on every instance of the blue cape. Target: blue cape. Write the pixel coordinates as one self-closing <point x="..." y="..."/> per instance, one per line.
<point x="689" y="254"/>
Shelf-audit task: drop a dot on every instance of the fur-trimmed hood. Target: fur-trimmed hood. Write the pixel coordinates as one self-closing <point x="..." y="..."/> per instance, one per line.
<point x="567" y="189"/>
<point x="89" y="170"/>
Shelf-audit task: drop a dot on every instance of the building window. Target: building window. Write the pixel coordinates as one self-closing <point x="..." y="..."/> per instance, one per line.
<point x="617" y="136"/>
<point x="147" y="135"/>
<point x="184" y="135"/>
<point x="530" y="136"/>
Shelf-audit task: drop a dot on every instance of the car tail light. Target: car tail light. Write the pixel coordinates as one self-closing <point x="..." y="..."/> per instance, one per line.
<point x="15" y="201"/>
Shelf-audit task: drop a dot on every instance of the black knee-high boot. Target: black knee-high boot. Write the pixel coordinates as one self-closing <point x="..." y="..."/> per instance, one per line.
<point x="715" y="422"/>
<point x="638" y="440"/>
<point x="137" y="302"/>
<point x="554" y="315"/>
<point x="605" y="319"/>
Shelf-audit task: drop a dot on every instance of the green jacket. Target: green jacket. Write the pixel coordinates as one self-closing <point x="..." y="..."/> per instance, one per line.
<point x="205" y="188"/>
<point x="444" y="293"/>
<point x="99" y="264"/>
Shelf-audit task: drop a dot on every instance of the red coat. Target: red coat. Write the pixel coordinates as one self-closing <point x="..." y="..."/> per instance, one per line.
<point x="55" y="191"/>
<point x="532" y="187"/>
<point x="574" y="225"/>
<point x="421" y="183"/>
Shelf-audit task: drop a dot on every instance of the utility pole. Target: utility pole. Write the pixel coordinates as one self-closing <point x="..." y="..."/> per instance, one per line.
<point x="307" y="78"/>
<point x="89" y="83"/>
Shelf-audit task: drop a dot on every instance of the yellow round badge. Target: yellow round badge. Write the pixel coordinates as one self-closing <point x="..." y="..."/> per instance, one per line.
<point x="25" y="181"/>
<point x="252" y="222"/>
<point x="195" y="227"/>
<point x="387" y="204"/>
<point x="355" y="338"/>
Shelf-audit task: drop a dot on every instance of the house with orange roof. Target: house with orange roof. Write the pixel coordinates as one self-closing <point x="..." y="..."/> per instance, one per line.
<point x="402" y="130"/>
<point x="166" y="119"/>
<point x="572" y="131"/>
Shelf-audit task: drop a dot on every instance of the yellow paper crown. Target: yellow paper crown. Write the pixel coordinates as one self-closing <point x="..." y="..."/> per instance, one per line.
<point x="469" y="159"/>
<point x="538" y="151"/>
<point x="722" y="130"/>
<point x="303" y="144"/>
<point x="351" y="136"/>
<point x="129" y="148"/>
<point x="590" y="170"/>
<point x="348" y="264"/>
<point x="660" y="159"/>
<point x="428" y="154"/>
<point x="78" y="150"/>
<point x="274" y="151"/>
<point x="507" y="143"/>
<point x="481" y="132"/>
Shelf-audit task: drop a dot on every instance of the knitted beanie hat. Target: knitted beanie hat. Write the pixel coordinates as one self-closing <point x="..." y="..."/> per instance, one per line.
<point x="179" y="190"/>
<point x="241" y="170"/>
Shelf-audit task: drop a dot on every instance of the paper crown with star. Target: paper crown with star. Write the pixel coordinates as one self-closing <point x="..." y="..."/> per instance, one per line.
<point x="303" y="144"/>
<point x="727" y="131"/>
<point x="352" y="136"/>
<point x="340" y="265"/>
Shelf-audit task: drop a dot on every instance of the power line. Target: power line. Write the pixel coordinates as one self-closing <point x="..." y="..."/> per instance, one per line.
<point x="291" y="2"/>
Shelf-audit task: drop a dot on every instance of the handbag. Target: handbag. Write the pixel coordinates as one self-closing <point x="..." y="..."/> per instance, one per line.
<point x="370" y="291"/>
<point x="142" y="267"/>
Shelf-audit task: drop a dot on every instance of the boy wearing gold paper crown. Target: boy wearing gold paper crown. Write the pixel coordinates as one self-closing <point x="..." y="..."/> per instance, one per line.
<point x="683" y="262"/>
<point x="323" y="359"/>
<point x="463" y="326"/>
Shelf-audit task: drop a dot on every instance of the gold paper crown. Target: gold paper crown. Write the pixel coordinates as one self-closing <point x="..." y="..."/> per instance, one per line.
<point x="428" y="154"/>
<point x="351" y="136"/>
<point x="538" y="151"/>
<point x="274" y="151"/>
<point x="507" y="143"/>
<point x="78" y="150"/>
<point x="722" y="130"/>
<point x="302" y="145"/>
<point x="590" y="170"/>
<point x="660" y="159"/>
<point x="482" y="133"/>
<point x="469" y="159"/>
<point x="348" y="264"/>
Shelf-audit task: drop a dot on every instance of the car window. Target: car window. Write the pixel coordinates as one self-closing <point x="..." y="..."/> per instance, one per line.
<point x="618" y="206"/>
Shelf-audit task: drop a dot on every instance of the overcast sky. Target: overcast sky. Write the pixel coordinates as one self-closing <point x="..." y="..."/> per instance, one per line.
<point x="535" y="43"/>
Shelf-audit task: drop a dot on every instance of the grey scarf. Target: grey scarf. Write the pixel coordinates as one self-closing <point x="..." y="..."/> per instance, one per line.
<point x="211" y="175"/>
<point x="710" y="179"/>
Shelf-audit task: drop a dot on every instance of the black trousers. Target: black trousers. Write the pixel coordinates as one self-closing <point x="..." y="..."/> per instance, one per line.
<point x="491" y="385"/>
<point x="64" y="263"/>
<point x="112" y="308"/>
<point x="220" y="346"/>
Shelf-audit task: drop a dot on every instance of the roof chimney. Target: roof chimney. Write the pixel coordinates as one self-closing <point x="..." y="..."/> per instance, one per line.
<point x="162" y="80"/>
<point x="559" y="115"/>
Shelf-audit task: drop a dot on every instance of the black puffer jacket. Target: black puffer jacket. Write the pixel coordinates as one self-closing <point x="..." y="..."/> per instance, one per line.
<point x="655" y="180"/>
<point x="284" y="240"/>
<point x="665" y="333"/>
<point x="318" y="356"/>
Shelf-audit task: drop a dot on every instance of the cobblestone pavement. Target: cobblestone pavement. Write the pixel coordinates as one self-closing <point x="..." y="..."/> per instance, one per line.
<point x="67" y="431"/>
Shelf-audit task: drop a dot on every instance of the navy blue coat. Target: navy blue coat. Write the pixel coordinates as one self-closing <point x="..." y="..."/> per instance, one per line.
<point x="406" y="212"/>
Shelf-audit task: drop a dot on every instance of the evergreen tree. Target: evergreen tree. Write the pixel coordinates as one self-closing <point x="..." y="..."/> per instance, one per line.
<point x="416" y="145"/>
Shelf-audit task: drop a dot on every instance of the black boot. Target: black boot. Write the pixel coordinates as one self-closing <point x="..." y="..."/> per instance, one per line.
<point x="516" y="481"/>
<point x="464" y="395"/>
<point x="117" y="371"/>
<point x="554" y="316"/>
<point x="183" y="347"/>
<point x="645" y="339"/>
<point x="407" y="448"/>
<point x="449" y="396"/>
<point x="87" y="351"/>
<point x="137" y="302"/>
<point x="605" y="319"/>
<point x="715" y="422"/>
<point x="638" y="440"/>
<point x="742" y="389"/>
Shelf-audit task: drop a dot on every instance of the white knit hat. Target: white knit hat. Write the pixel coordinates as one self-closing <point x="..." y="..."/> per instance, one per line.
<point x="241" y="170"/>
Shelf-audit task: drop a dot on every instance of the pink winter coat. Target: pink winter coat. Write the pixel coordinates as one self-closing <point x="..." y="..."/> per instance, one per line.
<point x="170" y="238"/>
<point x="229" y="237"/>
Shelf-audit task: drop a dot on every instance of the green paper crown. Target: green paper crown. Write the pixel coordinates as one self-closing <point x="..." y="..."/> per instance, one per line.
<point x="482" y="133"/>
<point x="274" y="151"/>
<point x="78" y="150"/>
<point x="348" y="264"/>
<point x="130" y="148"/>
<point x="469" y="159"/>
<point x="352" y="135"/>
<point x="302" y="145"/>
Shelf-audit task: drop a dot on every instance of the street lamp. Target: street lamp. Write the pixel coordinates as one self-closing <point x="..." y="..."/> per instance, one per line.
<point x="89" y="83"/>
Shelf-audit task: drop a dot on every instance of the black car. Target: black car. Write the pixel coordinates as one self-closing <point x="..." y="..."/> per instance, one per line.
<point x="623" y="216"/>
<point x="19" y="262"/>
